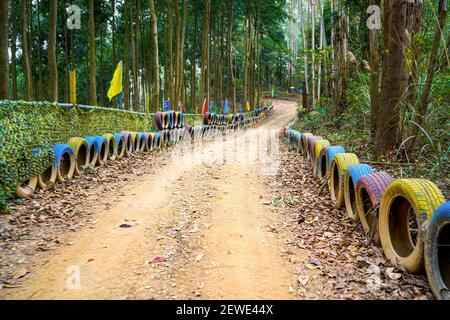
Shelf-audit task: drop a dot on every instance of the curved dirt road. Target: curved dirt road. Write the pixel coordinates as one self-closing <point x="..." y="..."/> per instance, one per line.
<point x="203" y="232"/>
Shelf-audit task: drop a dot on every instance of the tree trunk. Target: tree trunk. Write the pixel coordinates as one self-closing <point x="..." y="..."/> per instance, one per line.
<point x="126" y="57"/>
<point x="230" y="57"/>
<point x="374" y="76"/>
<point x="394" y="80"/>
<point x="53" y="75"/>
<point x="134" y="60"/>
<point x="313" y="60"/>
<point x="14" y="51"/>
<point x="26" y="54"/>
<point x="305" y="59"/>
<point x="205" y="52"/>
<point x="193" y="85"/>
<point x="92" y="80"/>
<point x="4" y="57"/>
<point x="155" y="55"/>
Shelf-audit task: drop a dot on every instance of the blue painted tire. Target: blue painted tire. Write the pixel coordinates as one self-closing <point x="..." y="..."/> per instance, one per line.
<point x="171" y="119"/>
<point x="102" y="148"/>
<point x="331" y="152"/>
<point x="120" y="145"/>
<point x="157" y="143"/>
<point x="93" y="150"/>
<point x="141" y="141"/>
<point x="351" y="178"/>
<point x="437" y="252"/>
<point x="64" y="162"/>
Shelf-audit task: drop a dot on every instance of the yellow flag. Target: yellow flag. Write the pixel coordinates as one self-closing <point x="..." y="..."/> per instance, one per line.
<point x="247" y="106"/>
<point x="116" y="82"/>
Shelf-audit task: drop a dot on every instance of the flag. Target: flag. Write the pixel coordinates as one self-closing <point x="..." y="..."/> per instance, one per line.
<point x="116" y="83"/>
<point x="166" y="106"/>
<point x="210" y="107"/>
<point x="205" y="110"/>
<point x="225" y="107"/>
<point x="247" y="106"/>
<point x="73" y="87"/>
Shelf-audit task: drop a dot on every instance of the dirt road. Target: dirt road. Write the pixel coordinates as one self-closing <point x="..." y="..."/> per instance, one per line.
<point x="200" y="232"/>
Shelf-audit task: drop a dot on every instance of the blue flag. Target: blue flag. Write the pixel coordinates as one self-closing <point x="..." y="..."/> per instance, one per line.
<point x="241" y="108"/>
<point x="166" y="106"/>
<point x="225" y="107"/>
<point x="120" y="100"/>
<point x="210" y="107"/>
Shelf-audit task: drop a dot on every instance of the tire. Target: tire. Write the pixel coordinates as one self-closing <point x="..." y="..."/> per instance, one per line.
<point x="369" y="190"/>
<point x="303" y="147"/>
<point x="166" y="120"/>
<point x="182" y="119"/>
<point x="27" y="189"/>
<point x="340" y="164"/>
<point x="47" y="179"/>
<point x="103" y="149"/>
<point x="400" y="197"/>
<point x="157" y="143"/>
<point x="437" y="252"/>
<point x="135" y="142"/>
<point x="321" y="164"/>
<point x="128" y="143"/>
<point x="120" y="145"/>
<point x="159" y="119"/>
<point x="112" y="146"/>
<point x="142" y="141"/>
<point x="297" y="141"/>
<point x="148" y="141"/>
<point x="64" y="162"/>
<point x="207" y="118"/>
<point x="176" y="121"/>
<point x="93" y="150"/>
<point x="81" y="149"/>
<point x="351" y="177"/>
<point x="310" y="148"/>
<point x="318" y="146"/>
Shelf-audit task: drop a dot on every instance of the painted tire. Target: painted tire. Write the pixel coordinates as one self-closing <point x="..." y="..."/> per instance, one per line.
<point x="182" y="119"/>
<point x="176" y="119"/>
<point x="135" y="142"/>
<point x="120" y="145"/>
<point x="64" y="162"/>
<point x="142" y="141"/>
<point x="159" y="119"/>
<point x="437" y="252"/>
<point x="369" y="190"/>
<point x="340" y="164"/>
<point x="128" y="143"/>
<point x="103" y="149"/>
<point x="321" y="170"/>
<point x="172" y="117"/>
<point x="303" y="147"/>
<point x="207" y="118"/>
<point x="148" y="142"/>
<point x="27" y="189"/>
<point x="310" y="147"/>
<point x="318" y="146"/>
<point x="166" y="120"/>
<point x="351" y="178"/>
<point x="81" y="149"/>
<point x="93" y="150"/>
<point x="112" y="146"/>
<point x="157" y="143"/>
<point x="400" y="197"/>
<point x="47" y="179"/>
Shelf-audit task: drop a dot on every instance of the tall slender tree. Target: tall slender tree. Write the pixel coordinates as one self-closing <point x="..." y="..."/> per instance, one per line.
<point x="4" y="58"/>
<point x="92" y="78"/>
<point x="53" y="75"/>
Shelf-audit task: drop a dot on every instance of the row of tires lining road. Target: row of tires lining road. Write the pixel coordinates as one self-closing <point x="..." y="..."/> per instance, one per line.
<point x="73" y="158"/>
<point x="410" y="218"/>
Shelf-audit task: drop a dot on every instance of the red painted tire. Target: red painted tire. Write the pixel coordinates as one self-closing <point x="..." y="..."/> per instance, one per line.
<point x="369" y="190"/>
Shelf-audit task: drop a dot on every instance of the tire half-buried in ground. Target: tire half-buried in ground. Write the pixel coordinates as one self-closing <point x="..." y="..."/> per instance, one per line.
<point x="64" y="162"/>
<point x="81" y="149"/>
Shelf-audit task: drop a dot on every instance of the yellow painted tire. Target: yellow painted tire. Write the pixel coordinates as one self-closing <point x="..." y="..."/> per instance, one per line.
<point x="318" y="146"/>
<point x="304" y="144"/>
<point x="340" y="164"/>
<point x="81" y="151"/>
<point x="402" y="198"/>
<point x="135" y="142"/>
<point x="66" y="167"/>
<point x="111" y="146"/>
<point x="27" y="189"/>
<point x="47" y="179"/>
